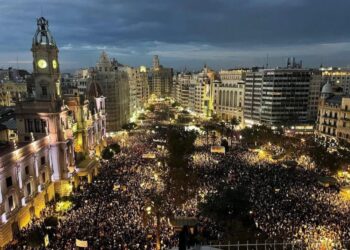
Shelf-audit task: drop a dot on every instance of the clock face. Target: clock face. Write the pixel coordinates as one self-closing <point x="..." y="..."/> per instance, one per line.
<point x="42" y="64"/>
<point x="54" y="64"/>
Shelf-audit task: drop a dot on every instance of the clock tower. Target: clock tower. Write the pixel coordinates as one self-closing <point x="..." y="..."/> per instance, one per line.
<point x="45" y="64"/>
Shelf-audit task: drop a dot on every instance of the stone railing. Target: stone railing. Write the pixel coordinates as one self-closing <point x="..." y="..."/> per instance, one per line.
<point x="23" y="151"/>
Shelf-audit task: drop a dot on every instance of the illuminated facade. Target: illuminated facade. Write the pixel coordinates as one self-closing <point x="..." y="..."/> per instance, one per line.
<point x="50" y="128"/>
<point x="333" y="120"/>
<point x="229" y="94"/>
<point x="181" y="88"/>
<point x="252" y="96"/>
<point x="161" y="81"/>
<point x="201" y="92"/>
<point x="138" y="87"/>
<point x="282" y="96"/>
<point x="338" y="77"/>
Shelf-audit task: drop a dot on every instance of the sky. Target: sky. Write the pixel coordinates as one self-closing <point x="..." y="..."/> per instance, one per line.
<point x="184" y="33"/>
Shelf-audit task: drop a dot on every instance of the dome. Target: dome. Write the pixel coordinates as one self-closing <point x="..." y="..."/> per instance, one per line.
<point x="327" y="88"/>
<point x="94" y="90"/>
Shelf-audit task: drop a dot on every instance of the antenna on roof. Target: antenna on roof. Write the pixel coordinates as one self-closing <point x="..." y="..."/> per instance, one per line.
<point x="267" y="60"/>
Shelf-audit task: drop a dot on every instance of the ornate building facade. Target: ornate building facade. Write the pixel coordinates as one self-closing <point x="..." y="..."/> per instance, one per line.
<point x="161" y="80"/>
<point x="333" y="120"/>
<point x="43" y="162"/>
<point x="229" y="94"/>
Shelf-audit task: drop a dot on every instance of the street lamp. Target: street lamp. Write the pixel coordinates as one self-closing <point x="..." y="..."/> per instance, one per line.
<point x="155" y="211"/>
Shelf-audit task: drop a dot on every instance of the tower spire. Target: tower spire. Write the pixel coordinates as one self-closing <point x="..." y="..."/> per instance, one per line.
<point x="43" y="34"/>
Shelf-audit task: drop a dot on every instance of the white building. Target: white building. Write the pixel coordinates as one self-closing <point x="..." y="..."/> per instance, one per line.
<point x="229" y="94"/>
<point x="282" y="96"/>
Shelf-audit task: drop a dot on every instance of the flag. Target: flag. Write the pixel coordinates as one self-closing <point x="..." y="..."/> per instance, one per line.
<point x="81" y="243"/>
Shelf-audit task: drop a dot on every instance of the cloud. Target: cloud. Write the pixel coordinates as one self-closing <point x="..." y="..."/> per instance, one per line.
<point x="181" y="30"/>
<point x="20" y="62"/>
<point x="67" y="47"/>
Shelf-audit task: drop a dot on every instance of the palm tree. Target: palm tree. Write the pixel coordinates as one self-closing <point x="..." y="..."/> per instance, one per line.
<point x="208" y="126"/>
<point x="221" y="129"/>
<point x="233" y="122"/>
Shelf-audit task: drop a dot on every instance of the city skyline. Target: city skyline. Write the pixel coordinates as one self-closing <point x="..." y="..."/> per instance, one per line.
<point x="183" y="33"/>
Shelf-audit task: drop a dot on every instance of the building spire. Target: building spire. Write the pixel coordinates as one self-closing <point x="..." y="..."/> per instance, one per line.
<point x="42" y="34"/>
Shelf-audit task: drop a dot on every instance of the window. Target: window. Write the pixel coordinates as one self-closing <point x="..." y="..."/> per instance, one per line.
<point x="29" y="189"/>
<point x="43" y="126"/>
<point x="11" y="204"/>
<point x="29" y="127"/>
<point x="42" y="160"/>
<point x="43" y="177"/>
<point x="26" y="170"/>
<point x="37" y="125"/>
<point x="9" y="181"/>
<point x="44" y="90"/>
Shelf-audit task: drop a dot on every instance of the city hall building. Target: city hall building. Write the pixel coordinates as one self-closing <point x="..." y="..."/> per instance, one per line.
<point x="52" y="131"/>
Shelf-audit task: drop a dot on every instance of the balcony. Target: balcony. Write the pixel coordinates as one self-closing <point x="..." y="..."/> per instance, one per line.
<point x="7" y="215"/>
<point x="42" y="186"/>
<point x="27" y="199"/>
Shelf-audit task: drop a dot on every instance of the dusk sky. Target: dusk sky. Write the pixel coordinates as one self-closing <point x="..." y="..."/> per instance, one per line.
<point x="184" y="33"/>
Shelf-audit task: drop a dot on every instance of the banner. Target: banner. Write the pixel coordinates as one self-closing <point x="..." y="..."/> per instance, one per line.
<point x="81" y="243"/>
<point x="116" y="187"/>
<point x="46" y="240"/>
<point x="149" y="156"/>
<point x="217" y="149"/>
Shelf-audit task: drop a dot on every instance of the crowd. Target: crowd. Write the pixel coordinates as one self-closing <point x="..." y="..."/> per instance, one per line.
<point x="116" y="210"/>
<point x="113" y="212"/>
<point x="289" y="204"/>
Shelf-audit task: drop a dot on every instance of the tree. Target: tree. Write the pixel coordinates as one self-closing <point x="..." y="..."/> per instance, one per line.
<point x="183" y="119"/>
<point x="107" y="153"/>
<point x="151" y="108"/>
<point x="181" y="178"/>
<point x="142" y="117"/>
<point x="115" y="147"/>
<point x="230" y="208"/>
<point x="321" y="156"/>
<point x="258" y="135"/>
<point x="129" y="126"/>
<point x="222" y="127"/>
<point x="180" y="143"/>
<point x="175" y="104"/>
<point x="51" y="221"/>
<point x="214" y="118"/>
<point x="208" y="127"/>
<point x="35" y="237"/>
<point x="224" y="143"/>
<point x="233" y="122"/>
